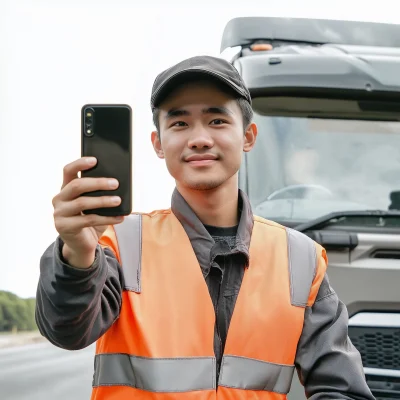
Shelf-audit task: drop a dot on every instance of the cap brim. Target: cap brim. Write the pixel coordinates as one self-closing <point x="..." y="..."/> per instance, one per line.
<point x="193" y="75"/>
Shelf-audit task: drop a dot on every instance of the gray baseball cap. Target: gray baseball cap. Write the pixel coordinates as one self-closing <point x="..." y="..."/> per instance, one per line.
<point x="188" y="70"/>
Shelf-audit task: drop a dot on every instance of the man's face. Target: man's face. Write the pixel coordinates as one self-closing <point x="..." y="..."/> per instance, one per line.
<point x="202" y="136"/>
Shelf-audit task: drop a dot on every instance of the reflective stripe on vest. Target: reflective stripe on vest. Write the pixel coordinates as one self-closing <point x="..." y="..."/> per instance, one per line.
<point x="302" y="256"/>
<point x="129" y="236"/>
<point x="246" y="373"/>
<point x="190" y="374"/>
<point x="155" y="375"/>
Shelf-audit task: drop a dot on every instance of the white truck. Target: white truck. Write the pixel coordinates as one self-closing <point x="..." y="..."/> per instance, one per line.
<point x="326" y="98"/>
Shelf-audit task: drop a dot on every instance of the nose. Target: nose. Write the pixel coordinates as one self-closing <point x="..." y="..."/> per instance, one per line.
<point x="200" y="139"/>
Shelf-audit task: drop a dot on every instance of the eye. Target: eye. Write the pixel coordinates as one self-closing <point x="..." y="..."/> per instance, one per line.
<point x="218" y="122"/>
<point x="178" y="124"/>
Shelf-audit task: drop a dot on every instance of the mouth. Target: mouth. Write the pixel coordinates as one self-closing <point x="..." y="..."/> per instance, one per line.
<point x="201" y="160"/>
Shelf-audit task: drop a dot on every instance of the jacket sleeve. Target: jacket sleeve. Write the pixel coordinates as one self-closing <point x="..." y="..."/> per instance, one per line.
<point x="75" y="307"/>
<point x="327" y="363"/>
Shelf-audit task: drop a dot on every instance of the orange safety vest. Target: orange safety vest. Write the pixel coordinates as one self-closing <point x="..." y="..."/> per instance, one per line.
<point x="161" y="346"/>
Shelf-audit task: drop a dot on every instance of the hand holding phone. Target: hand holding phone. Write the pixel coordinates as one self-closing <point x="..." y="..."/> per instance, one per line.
<point x="79" y="232"/>
<point x="86" y="206"/>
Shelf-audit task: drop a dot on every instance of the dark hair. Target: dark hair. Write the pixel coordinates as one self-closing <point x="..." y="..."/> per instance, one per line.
<point x="244" y="105"/>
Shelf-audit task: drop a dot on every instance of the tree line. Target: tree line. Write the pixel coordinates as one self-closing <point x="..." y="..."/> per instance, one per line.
<point x="16" y="314"/>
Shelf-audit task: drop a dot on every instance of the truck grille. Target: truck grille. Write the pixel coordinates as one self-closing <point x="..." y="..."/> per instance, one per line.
<point x="379" y="346"/>
<point x="383" y="387"/>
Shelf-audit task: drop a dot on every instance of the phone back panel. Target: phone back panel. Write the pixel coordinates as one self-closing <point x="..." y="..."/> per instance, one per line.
<point x="110" y="141"/>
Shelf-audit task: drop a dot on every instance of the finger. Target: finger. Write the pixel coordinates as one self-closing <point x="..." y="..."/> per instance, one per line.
<point x="75" y="207"/>
<point x="79" y="186"/>
<point x="71" y="170"/>
<point x="73" y="225"/>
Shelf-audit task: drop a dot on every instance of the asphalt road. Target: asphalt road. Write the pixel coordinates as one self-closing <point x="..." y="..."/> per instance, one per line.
<point x="45" y="372"/>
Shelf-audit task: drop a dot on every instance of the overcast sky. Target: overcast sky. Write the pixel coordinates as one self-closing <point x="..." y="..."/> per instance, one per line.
<point x="57" y="55"/>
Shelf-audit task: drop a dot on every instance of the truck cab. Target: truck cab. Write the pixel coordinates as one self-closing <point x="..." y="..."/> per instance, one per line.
<point x="326" y="100"/>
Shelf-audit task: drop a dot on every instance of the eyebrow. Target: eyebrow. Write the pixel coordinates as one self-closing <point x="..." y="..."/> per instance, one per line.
<point x="180" y="112"/>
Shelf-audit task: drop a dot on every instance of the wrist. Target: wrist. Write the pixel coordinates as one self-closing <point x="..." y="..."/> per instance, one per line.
<point x="78" y="259"/>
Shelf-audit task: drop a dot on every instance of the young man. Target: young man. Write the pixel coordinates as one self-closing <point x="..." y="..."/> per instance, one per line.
<point x="205" y="300"/>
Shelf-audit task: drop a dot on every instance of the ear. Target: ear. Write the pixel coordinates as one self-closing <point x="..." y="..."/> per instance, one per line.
<point x="250" y="137"/>
<point x="155" y="139"/>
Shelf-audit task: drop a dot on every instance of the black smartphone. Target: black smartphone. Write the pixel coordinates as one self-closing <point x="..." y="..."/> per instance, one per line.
<point x="106" y="132"/>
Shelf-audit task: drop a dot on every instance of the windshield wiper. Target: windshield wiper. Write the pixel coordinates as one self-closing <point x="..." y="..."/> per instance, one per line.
<point x="320" y="222"/>
<point x="338" y="240"/>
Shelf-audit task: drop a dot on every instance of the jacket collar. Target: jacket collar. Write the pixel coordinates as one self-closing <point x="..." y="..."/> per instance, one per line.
<point x="204" y="246"/>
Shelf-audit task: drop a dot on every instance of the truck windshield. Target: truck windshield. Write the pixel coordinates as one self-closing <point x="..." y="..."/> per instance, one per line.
<point x="303" y="168"/>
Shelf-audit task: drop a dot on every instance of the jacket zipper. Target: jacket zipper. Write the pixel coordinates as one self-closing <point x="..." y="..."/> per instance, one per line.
<point x="219" y="361"/>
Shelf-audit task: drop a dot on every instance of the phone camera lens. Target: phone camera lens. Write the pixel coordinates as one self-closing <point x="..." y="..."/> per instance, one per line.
<point x="89" y="122"/>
